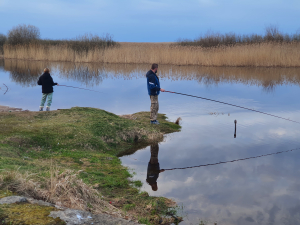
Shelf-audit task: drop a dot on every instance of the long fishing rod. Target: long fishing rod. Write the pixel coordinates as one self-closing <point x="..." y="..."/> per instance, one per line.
<point x="213" y="164"/>
<point x="80" y="88"/>
<point x="233" y="105"/>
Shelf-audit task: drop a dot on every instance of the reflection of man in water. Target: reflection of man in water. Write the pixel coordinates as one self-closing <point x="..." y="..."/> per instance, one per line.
<point x="153" y="167"/>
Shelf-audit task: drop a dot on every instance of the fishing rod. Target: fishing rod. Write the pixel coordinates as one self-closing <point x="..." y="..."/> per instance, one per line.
<point x="233" y="105"/>
<point x="213" y="164"/>
<point x="80" y="88"/>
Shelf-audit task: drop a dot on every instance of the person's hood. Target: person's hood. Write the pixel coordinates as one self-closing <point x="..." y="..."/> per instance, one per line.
<point x="46" y="74"/>
<point x="149" y="73"/>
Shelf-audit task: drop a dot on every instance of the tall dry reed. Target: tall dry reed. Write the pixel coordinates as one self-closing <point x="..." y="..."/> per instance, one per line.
<point x="256" y="55"/>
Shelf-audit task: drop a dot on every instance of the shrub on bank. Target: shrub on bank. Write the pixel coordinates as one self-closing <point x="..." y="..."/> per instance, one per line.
<point x="29" y="35"/>
<point x="84" y="42"/>
<point x="211" y="39"/>
<point x="2" y="41"/>
<point x="23" y="34"/>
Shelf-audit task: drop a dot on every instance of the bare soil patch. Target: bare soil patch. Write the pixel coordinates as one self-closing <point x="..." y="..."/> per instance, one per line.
<point x="9" y="109"/>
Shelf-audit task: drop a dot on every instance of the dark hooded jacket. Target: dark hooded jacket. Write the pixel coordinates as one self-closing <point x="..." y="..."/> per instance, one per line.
<point x="153" y="84"/>
<point x="47" y="83"/>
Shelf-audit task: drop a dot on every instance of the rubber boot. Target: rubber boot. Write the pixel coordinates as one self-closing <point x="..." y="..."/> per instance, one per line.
<point x="47" y="108"/>
<point x="41" y="108"/>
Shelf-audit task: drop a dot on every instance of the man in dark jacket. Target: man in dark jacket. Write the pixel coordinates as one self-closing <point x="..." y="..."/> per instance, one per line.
<point x="153" y="170"/>
<point x="47" y="89"/>
<point x="154" y="89"/>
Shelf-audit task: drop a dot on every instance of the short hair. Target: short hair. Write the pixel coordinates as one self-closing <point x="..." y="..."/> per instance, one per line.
<point x="154" y="66"/>
<point x="46" y="70"/>
<point x="154" y="186"/>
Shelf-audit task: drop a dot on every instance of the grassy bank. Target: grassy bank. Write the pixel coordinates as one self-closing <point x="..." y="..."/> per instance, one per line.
<point x="255" y="55"/>
<point x="69" y="157"/>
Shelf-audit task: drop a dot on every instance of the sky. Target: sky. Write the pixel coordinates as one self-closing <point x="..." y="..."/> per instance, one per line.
<point x="149" y="20"/>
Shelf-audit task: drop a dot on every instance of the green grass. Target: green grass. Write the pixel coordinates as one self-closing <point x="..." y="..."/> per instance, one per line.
<point x="85" y="139"/>
<point x="144" y="221"/>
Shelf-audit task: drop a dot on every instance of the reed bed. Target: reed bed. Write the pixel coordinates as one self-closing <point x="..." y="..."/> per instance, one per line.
<point x="255" y="55"/>
<point x="211" y="39"/>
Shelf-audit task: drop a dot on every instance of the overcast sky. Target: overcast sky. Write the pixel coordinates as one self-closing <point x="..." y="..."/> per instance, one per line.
<point x="149" y="20"/>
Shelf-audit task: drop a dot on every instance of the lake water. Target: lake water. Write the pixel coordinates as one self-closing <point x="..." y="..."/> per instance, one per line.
<point x="265" y="190"/>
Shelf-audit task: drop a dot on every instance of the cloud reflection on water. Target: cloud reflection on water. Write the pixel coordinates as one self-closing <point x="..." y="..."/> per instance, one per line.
<point x="256" y="190"/>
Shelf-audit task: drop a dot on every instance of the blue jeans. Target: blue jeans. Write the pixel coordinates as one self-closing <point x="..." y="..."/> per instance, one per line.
<point x="45" y="95"/>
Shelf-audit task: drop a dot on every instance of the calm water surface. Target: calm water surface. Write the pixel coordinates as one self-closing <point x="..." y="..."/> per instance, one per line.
<point x="256" y="191"/>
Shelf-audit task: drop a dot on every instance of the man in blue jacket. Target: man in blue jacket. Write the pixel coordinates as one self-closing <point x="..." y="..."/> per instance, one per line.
<point x="154" y="89"/>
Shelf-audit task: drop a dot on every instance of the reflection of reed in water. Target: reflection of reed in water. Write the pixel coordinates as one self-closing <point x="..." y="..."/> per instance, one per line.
<point x="268" y="78"/>
<point x="1" y="64"/>
<point x="91" y="74"/>
<point x="24" y="72"/>
<point x="27" y="73"/>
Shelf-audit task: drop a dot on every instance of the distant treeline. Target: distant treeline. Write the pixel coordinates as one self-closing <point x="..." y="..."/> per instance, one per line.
<point x="211" y="39"/>
<point x="30" y="35"/>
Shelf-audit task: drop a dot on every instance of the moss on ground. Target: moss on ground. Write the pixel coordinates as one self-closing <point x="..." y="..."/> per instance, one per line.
<point x="27" y="214"/>
<point x="6" y="193"/>
<point x="88" y="140"/>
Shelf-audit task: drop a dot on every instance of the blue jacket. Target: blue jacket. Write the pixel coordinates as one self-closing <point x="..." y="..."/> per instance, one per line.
<point x="153" y="84"/>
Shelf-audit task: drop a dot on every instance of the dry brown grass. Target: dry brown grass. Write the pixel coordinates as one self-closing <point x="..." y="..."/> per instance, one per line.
<point x="64" y="189"/>
<point x="256" y="55"/>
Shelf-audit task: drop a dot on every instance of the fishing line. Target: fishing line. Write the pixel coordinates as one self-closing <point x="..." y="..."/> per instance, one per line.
<point x="6" y="89"/>
<point x="233" y="105"/>
<point x="253" y="157"/>
<point x="80" y="88"/>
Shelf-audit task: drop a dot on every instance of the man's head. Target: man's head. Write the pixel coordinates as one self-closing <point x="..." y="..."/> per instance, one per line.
<point x="46" y="70"/>
<point x="154" y="186"/>
<point x="154" y="67"/>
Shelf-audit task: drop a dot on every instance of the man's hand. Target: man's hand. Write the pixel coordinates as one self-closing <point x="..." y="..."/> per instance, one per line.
<point x="57" y="84"/>
<point x="162" y="90"/>
<point x="162" y="171"/>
